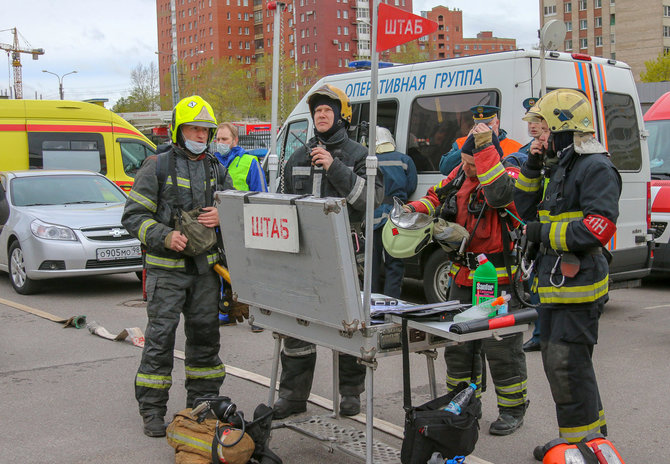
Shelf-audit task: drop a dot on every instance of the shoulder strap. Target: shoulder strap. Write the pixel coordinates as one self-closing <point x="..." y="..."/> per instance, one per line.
<point x="162" y="168"/>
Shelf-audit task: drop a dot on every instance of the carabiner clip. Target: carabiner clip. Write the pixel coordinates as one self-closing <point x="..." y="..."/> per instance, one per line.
<point x="526" y="269"/>
<point x="553" y="272"/>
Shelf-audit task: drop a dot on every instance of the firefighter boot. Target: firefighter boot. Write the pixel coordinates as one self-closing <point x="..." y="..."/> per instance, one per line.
<point x="350" y="405"/>
<point x="509" y="420"/>
<point x="295" y="384"/>
<point x="154" y="425"/>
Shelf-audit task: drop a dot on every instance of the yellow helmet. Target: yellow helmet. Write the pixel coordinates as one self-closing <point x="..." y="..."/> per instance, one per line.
<point x="195" y="111"/>
<point x="406" y="234"/>
<point x="565" y="110"/>
<point x="333" y="93"/>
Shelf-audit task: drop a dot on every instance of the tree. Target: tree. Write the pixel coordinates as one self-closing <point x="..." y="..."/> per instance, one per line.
<point x="410" y="52"/>
<point x="658" y="70"/>
<point x="144" y="94"/>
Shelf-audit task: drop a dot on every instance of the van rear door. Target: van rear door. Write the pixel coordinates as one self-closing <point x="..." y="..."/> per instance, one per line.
<point x="619" y="129"/>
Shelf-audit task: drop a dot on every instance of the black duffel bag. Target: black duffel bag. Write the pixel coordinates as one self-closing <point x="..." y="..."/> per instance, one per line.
<point x="429" y="428"/>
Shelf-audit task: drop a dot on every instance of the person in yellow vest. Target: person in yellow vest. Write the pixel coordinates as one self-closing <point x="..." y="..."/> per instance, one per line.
<point x="481" y="114"/>
<point x="245" y="170"/>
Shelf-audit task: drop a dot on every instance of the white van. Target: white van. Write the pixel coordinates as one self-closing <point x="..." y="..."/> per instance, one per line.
<point x="427" y="106"/>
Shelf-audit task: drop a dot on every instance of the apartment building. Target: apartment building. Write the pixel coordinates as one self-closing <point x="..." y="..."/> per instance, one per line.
<point x="448" y="40"/>
<point x="632" y="31"/>
<point x="323" y="36"/>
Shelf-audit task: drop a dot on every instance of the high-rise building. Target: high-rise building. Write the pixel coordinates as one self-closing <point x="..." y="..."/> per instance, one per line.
<point x="323" y="36"/>
<point x="632" y="31"/>
<point x="448" y="40"/>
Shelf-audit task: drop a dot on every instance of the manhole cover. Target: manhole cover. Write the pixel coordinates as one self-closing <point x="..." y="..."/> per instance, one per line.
<point x="134" y="303"/>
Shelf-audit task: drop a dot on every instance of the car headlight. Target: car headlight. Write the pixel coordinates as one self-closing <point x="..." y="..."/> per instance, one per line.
<point x="51" y="231"/>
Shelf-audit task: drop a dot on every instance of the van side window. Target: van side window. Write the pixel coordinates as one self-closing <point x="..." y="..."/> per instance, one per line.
<point x="623" y="135"/>
<point x="51" y="150"/>
<point x="437" y="121"/>
<point x="295" y="133"/>
<point x="387" y="114"/>
<point x="4" y="202"/>
<point x="133" y="153"/>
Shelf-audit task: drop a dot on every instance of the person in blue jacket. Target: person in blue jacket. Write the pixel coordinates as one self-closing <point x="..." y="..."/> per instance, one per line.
<point x="244" y="169"/>
<point x="400" y="179"/>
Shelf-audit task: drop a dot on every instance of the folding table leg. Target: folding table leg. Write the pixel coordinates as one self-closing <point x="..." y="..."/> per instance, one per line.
<point x="275" y="369"/>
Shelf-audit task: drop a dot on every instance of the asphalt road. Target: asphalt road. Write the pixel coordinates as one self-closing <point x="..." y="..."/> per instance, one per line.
<point x="68" y="395"/>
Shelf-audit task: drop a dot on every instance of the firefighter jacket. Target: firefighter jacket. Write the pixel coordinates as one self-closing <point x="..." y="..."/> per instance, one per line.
<point x="149" y="211"/>
<point x="345" y="178"/>
<point x="450" y="160"/>
<point x="493" y="185"/>
<point x="400" y="179"/>
<point x="577" y="204"/>
<point x="245" y="170"/>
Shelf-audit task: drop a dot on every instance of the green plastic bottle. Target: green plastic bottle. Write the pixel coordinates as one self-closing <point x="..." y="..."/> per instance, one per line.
<point x="485" y="281"/>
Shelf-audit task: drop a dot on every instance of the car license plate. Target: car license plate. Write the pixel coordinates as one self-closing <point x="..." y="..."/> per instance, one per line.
<point x="110" y="254"/>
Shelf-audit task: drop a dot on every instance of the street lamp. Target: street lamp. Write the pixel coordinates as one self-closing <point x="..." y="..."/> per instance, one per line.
<point x="60" y="80"/>
<point x="174" y="81"/>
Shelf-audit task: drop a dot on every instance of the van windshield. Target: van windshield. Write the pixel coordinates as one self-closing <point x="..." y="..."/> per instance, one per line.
<point x="659" y="146"/>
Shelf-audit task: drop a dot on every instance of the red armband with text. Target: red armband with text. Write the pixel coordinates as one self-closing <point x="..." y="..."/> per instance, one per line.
<point x="602" y="228"/>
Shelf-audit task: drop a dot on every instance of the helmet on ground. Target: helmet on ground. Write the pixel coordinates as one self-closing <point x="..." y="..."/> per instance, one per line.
<point x="565" y="110"/>
<point x="406" y="234"/>
<point x="333" y="93"/>
<point x="384" y="142"/>
<point x="195" y="111"/>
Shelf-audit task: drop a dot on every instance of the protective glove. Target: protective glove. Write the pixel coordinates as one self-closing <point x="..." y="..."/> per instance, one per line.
<point x="238" y="311"/>
<point x="479" y="140"/>
<point x="535" y="161"/>
<point x="534" y="232"/>
<point x="482" y="138"/>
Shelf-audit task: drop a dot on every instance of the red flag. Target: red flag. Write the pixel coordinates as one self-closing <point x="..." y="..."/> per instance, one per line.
<point x="396" y="26"/>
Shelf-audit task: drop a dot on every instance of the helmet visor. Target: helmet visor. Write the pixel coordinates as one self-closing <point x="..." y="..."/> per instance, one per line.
<point x="409" y="221"/>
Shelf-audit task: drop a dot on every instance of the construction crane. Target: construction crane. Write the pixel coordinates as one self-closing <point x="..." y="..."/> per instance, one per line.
<point x="15" y="49"/>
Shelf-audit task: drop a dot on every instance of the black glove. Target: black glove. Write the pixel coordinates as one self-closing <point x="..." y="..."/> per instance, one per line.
<point x="469" y="145"/>
<point x="534" y="232"/>
<point x="535" y="161"/>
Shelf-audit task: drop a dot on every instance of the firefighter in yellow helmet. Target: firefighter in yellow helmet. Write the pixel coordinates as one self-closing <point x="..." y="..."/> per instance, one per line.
<point x="568" y="193"/>
<point x="332" y="166"/>
<point x="183" y="178"/>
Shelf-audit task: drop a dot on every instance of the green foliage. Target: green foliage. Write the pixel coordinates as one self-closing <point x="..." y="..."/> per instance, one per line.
<point x="410" y="52"/>
<point x="658" y="70"/>
<point x="144" y="95"/>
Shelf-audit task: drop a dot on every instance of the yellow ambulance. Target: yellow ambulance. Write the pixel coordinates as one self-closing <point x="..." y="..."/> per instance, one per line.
<point x="61" y="134"/>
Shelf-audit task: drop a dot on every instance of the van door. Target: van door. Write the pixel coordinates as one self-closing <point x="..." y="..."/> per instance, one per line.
<point x="618" y="114"/>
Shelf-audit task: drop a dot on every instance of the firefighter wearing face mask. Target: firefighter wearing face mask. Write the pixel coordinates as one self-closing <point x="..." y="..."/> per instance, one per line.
<point x="481" y="185"/>
<point x="177" y="283"/>
<point x="568" y="192"/>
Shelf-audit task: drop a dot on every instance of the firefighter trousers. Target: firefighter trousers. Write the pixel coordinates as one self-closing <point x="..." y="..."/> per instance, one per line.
<point x="567" y="335"/>
<point x="298" y="360"/>
<point x="169" y="294"/>
<point x="506" y="359"/>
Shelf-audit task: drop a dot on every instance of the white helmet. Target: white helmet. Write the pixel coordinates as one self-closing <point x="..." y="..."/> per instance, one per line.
<point x="385" y="142"/>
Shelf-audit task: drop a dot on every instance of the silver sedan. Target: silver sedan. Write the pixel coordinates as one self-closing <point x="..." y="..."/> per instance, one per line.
<point x="62" y="224"/>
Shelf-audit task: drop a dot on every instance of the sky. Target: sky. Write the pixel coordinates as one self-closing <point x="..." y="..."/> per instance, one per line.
<point x="103" y="41"/>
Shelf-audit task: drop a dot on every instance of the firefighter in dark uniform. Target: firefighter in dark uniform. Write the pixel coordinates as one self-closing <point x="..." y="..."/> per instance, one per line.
<point x="484" y="190"/>
<point x="175" y="283"/>
<point x="568" y="191"/>
<point x="334" y="166"/>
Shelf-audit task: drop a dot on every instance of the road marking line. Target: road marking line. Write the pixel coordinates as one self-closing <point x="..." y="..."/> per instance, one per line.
<point x="659" y="306"/>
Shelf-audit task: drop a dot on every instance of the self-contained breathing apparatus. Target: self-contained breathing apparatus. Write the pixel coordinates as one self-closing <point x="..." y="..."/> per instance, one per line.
<point x="234" y="440"/>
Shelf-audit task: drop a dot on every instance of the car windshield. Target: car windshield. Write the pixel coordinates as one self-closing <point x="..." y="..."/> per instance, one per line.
<point x="659" y="146"/>
<point x="64" y="190"/>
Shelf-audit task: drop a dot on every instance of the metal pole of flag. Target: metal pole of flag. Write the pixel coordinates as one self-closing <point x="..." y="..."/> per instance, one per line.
<point x="371" y="173"/>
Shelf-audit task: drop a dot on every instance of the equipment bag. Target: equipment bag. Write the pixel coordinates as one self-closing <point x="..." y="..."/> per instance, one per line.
<point x="593" y="449"/>
<point x="430" y="429"/>
<point x="192" y="440"/>
<point x="200" y="238"/>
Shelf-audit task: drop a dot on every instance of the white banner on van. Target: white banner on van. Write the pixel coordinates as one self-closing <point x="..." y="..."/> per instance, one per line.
<point x="271" y="227"/>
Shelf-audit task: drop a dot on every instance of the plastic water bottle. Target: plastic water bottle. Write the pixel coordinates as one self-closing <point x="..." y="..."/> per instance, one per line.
<point x="459" y="401"/>
<point x="484" y="281"/>
<point x="488" y="308"/>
